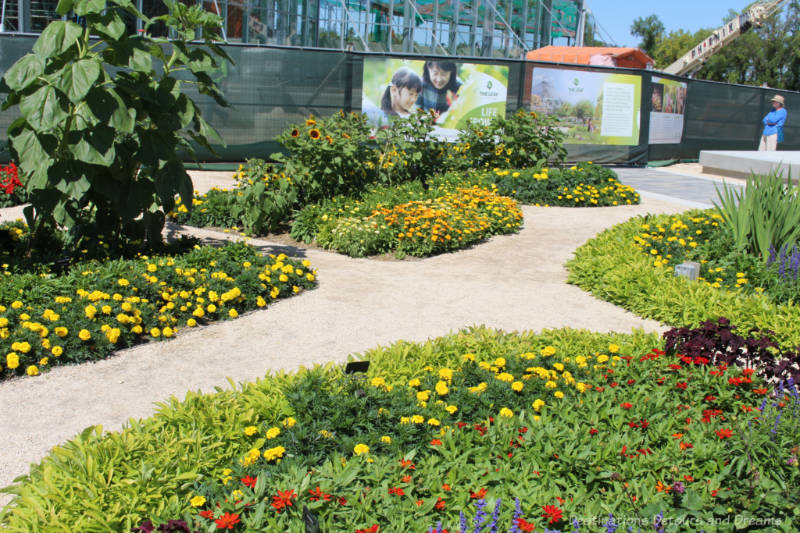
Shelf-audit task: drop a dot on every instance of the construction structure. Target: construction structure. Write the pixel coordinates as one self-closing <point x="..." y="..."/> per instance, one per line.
<point x="605" y="56"/>
<point x="488" y="28"/>
<point x="694" y="59"/>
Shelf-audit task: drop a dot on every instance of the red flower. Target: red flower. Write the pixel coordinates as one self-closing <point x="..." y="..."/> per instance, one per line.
<point x="522" y="525"/>
<point x="481" y="429"/>
<point x="760" y="391"/>
<point x="419" y="503"/>
<point x="249" y="482"/>
<point x="748" y="371"/>
<point x="682" y="385"/>
<point x="724" y="433"/>
<point x="552" y="513"/>
<point x="626" y="405"/>
<point x="436" y="442"/>
<point x="477" y="495"/>
<point x="714" y="493"/>
<point x="688" y="478"/>
<point x="446" y="487"/>
<point x="711" y="398"/>
<point x="406" y="479"/>
<point x="593" y="431"/>
<point x="461" y="425"/>
<point x="342" y="500"/>
<point x="317" y="493"/>
<point x="374" y="529"/>
<point x="397" y="490"/>
<point x="208" y="513"/>
<point x="440" y="503"/>
<point x="406" y="463"/>
<point x="283" y="499"/>
<point x="227" y="521"/>
<point x="630" y="381"/>
<point x="675" y="367"/>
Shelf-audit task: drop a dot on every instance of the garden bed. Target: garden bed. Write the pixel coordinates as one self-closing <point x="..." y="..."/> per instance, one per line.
<point x="576" y="426"/>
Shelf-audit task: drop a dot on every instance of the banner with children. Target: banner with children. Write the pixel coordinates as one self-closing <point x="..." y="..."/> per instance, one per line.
<point x="456" y="92"/>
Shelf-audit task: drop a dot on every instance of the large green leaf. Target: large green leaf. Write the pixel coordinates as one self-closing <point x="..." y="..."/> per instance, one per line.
<point x="78" y="77"/>
<point x="141" y="60"/>
<point x="56" y="38"/>
<point x="45" y="109"/>
<point x="95" y="147"/>
<point x="88" y="7"/>
<point x="64" y="6"/>
<point x="109" y="25"/>
<point x="24" y="72"/>
<point x="33" y="156"/>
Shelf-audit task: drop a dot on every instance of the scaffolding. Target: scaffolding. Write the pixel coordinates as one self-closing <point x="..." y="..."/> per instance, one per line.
<point x="488" y="28"/>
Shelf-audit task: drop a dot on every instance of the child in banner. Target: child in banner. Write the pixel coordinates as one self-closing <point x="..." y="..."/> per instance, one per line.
<point x="440" y="85"/>
<point x="400" y="96"/>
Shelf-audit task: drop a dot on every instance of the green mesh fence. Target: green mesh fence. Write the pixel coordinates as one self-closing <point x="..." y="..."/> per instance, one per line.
<point x="270" y="88"/>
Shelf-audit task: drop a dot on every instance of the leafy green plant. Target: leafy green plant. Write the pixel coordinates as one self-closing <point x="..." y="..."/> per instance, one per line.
<point x="765" y="215"/>
<point x="523" y="140"/>
<point x="103" y="120"/>
<point x="409" y="151"/>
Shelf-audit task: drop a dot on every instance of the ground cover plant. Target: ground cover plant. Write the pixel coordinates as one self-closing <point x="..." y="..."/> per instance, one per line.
<point x="73" y="309"/>
<point x="632" y="265"/>
<point x="575" y="425"/>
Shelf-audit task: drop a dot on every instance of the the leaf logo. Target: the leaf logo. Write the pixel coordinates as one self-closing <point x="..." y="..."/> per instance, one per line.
<point x="575" y="82"/>
<point x="488" y="84"/>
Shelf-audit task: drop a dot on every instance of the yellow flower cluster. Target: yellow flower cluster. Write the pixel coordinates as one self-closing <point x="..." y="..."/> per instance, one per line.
<point x="586" y="194"/>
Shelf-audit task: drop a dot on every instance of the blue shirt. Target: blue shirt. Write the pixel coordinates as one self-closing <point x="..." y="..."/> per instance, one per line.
<point x="774" y="120"/>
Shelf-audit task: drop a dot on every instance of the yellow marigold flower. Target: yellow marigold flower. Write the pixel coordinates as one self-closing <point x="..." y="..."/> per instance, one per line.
<point x="558" y="394"/>
<point x="441" y="388"/>
<point x="16" y="304"/>
<point x="417" y="419"/>
<point x="211" y="308"/>
<point x="478" y="388"/>
<point x="275" y="453"/>
<point x="191" y="322"/>
<point x="273" y="432"/>
<point x="250" y="431"/>
<point x="106" y="309"/>
<point x="32" y="370"/>
<point x="500" y="362"/>
<point x="434" y="422"/>
<point x="468" y="357"/>
<point x="90" y="311"/>
<point x="197" y="501"/>
<point x="506" y="412"/>
<point x="260" y="302"/>
<point x="538" y="404"/>
<point x="548" y="351"/>
<point x="290" y="422"/>
<point x="505" y="377"/>
<point x="602" y="358"/>
<point x="198" y="312"/>
<point x="12" y="360"/>
<point x="386" y="439"/>
<point x="122" y="282"/>
<point x="23" y="347"/>
<point x="57" y="351"/>
<point x="360" y="449"/>
<point x="517" y="386"/>
<point x="613" y="348"/>
<point x="446" y="374"/>
<point x="405" y="420"/>
<point x="423" y="396"/>
<point x="168" y="332"/>
<point x="451" y="409"/>
<point x="414" y="383"/>
<point x="377" y="381"/>
<point x="84" y="335"/>
<point x="113" y="334"/>
<point x="558" y="366"/>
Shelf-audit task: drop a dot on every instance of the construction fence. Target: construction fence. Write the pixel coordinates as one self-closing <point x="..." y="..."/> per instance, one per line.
<point x="609" y="115"/>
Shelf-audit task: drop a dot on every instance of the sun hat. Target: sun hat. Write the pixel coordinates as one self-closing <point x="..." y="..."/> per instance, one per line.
<point x="777" y="98"/>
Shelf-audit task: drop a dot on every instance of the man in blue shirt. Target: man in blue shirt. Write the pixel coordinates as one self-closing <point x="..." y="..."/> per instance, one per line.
<point x="773" y="125"/>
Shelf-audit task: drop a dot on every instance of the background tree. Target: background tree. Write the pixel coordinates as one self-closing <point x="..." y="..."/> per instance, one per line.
<point x="589" y="34"/>
<point x="675" y="44"/>
<point x="650" y="29"/>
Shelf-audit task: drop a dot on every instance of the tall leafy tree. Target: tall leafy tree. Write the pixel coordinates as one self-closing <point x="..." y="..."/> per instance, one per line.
<point x="675" y="44"/>
<point x="650" y="29"/>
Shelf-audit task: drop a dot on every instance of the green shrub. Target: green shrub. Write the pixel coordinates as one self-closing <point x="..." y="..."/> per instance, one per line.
<point x="763" y="217"/>
<point x="523" y="140"/>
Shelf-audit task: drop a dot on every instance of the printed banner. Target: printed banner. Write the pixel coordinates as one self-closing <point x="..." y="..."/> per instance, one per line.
<point x="668" y="105"/>
<point x="455" y="92"/>
<point x="591" y="107"/>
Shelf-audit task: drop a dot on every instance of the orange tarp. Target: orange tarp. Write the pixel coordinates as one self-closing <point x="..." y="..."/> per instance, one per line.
<point x="592" y="55"/>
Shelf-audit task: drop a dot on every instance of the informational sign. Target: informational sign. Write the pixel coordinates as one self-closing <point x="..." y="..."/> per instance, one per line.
<point x="455" y="92"/>
<point x="591" y="107"/>
<point x="667" y="109"/>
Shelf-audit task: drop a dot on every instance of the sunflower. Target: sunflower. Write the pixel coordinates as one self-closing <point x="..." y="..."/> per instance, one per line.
<point x="295" y="132"/>
<point x="329" y="139"/>
<point x="314" y="133"/>
<point x="311" y="122"/>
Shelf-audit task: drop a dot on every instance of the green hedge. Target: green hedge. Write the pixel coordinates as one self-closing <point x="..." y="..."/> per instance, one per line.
<point x="613" y="269"/>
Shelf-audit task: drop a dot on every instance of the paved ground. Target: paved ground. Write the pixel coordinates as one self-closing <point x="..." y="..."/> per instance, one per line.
<point x="514" y="282"/>
<point x="691" y="190"/>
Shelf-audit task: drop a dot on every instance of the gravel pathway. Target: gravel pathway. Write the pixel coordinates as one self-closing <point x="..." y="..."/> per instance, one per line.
<point x="514" y="282"/>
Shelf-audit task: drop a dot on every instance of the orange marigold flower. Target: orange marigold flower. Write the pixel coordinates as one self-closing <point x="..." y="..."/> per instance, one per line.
<point x="227" y="521"/>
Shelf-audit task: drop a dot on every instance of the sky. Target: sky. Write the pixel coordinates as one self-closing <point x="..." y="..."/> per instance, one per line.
<point x="616" y="16"/>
